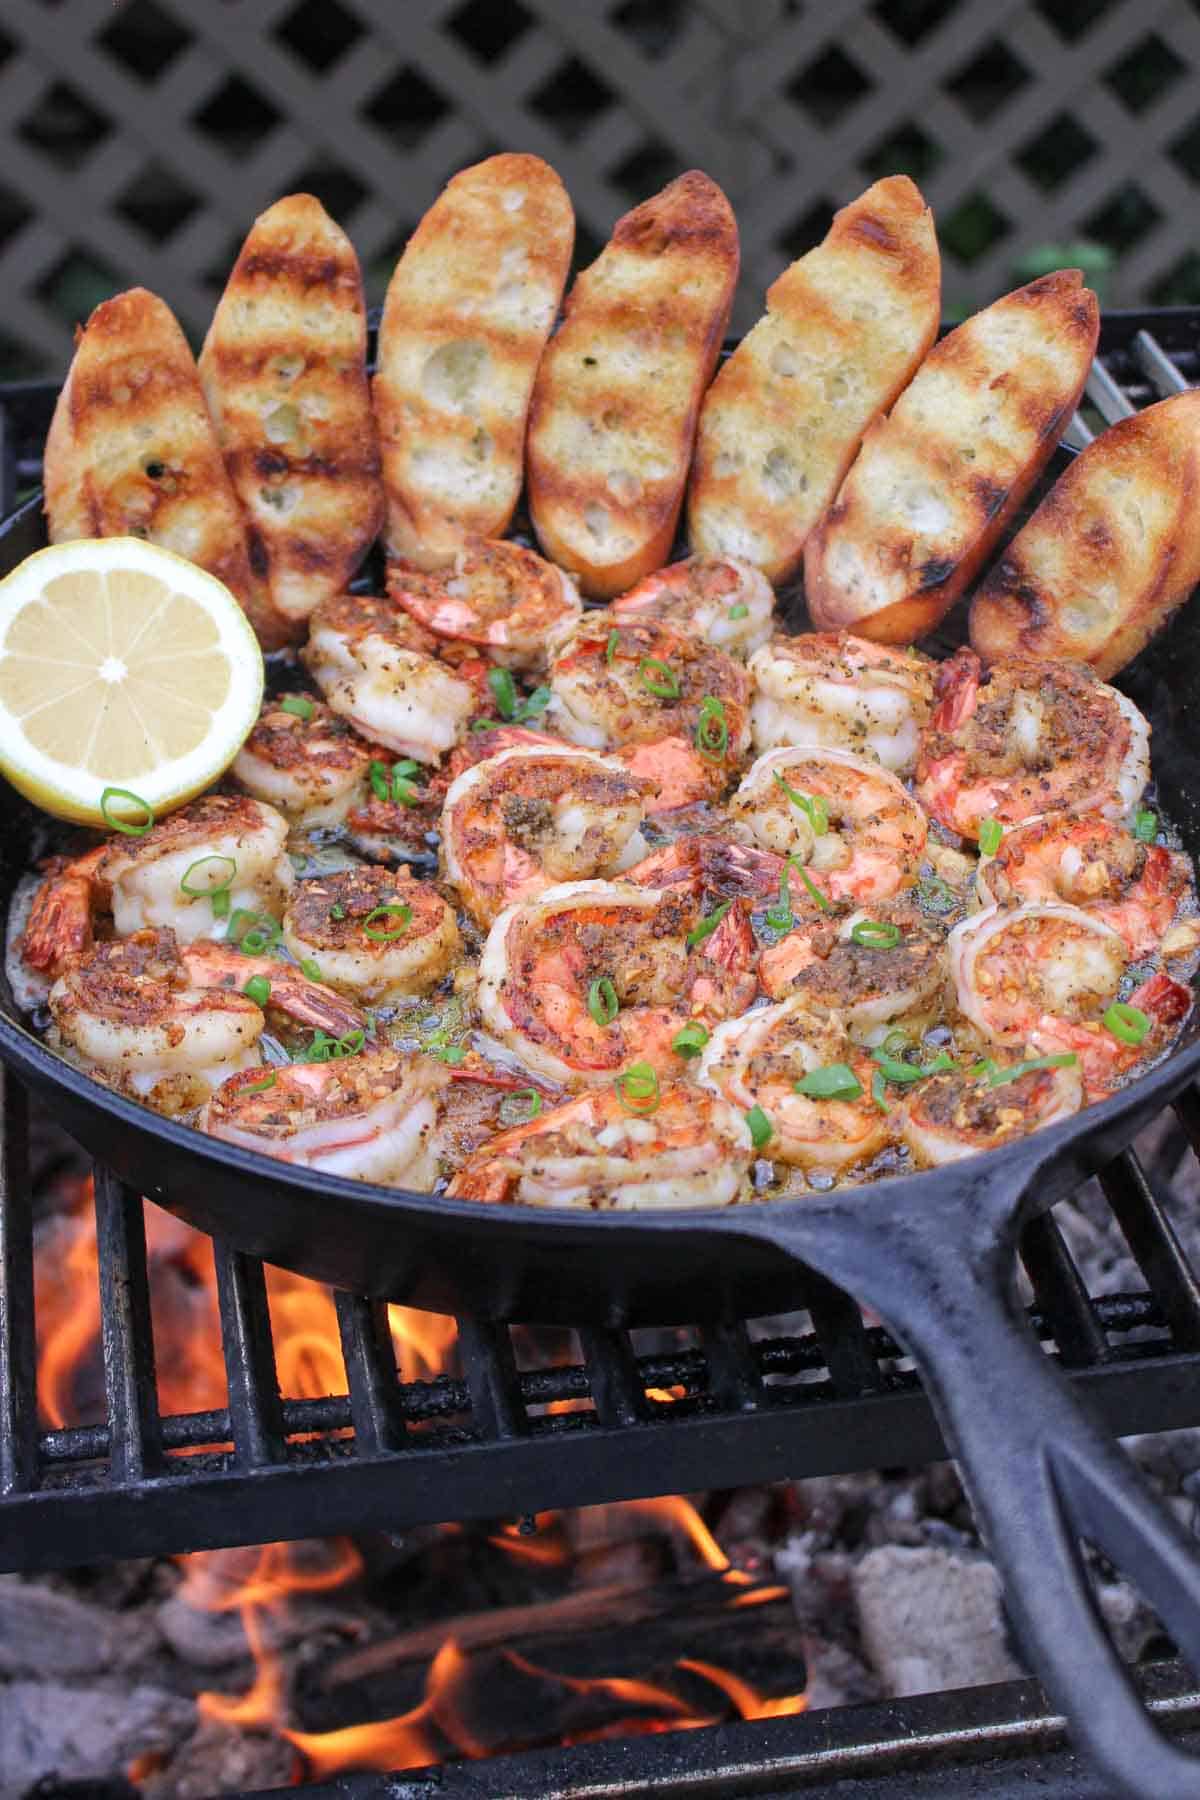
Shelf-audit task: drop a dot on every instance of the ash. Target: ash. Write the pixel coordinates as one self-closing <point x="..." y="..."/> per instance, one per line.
<point x="133" y="1678"/>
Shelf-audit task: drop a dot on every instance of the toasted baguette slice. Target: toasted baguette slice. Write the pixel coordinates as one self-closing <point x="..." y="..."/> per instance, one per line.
<point x="284" y="369"/>
<point x="845" y="329"/>
<point x="1111" y="551"/>
<point x="619" y="390"/>
<point x="936" y="482"/>
<point x="132" y="451"/>
<point x="468" y="311"/>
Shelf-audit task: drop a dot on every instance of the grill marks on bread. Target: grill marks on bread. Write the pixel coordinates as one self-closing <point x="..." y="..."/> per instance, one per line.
<point x="936" y="482"/>
<point x="845" y="328"/>
<point x="468" y="311"/>
<point x="1110" y="552"/>
<point x="618" y="393"/>
<point x="284" y="369"/>
<point x="132" y="451"/>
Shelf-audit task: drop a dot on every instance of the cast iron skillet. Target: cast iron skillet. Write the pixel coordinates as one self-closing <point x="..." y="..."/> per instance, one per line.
<point x="933" y="1253"/>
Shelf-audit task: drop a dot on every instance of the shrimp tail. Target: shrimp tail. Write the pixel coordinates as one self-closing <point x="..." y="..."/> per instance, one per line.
<point x="490" y="1181"/>
<point x="59" y="927"/>
<point x="1165" y="999"/>
<point x="307" y="1002"/>
<point x="957" y="690"/>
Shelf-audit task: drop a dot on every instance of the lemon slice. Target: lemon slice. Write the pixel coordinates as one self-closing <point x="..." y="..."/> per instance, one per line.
<point x="121" y="666"/>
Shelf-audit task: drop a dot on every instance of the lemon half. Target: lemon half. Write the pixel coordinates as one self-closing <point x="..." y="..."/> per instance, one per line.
<point x="121" y="665"/>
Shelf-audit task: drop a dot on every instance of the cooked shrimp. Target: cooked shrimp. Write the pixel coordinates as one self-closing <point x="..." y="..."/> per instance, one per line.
<point x="223" y="844"/>
<point x="132" y="1008"/>
<point x="530" y="818"/>
<point x="363" y="653"/>
<point x="374" y="933"/>
<point x="1045" y="976"/>
<point x="758" y="1061"/>
<point x="369" y="1116"/>
<point x="593" y="1152"/>
<point x="593" y="975"/>
<point x="866" y="969"/>
<point x="287" y="989"/>
<point x="1033" y="737"/>
<point x="514" y="603"/>
<point x="305" y="761"/>
<point x="856" y="827"/>
<point x="1089" y="861"/>
<point x="641" y="683"/>
<point x="729" y="604"/>
<point x="842" y="693"/>
<point x="950" y="1116"/>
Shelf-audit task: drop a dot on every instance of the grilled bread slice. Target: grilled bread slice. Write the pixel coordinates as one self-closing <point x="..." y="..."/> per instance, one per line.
<point x="619" y="390"/>
<point x="1110" y="552"/>
<point x="132" y="451"/>
<point x="467" y="315"/>
<point x="284" y="369"/>
<point x="937" y="480"/>
<point x="845" y="329"/>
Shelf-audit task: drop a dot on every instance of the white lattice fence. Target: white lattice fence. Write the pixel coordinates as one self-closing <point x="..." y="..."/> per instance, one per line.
<point x="139" y="139"/>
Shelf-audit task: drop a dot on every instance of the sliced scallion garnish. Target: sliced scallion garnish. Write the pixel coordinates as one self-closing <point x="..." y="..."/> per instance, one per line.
<point x="602" y="1001"/>
<point x="637" y="1088"/>
<point x="835" y="1081"/>
<point x="123" y="825"/>
<point x="1128" y="1023"/>
<point x="707" y="925"/>
<point x="659" y="678"/>
<point x="391" y="909"/>
<point x="299" y="705"/>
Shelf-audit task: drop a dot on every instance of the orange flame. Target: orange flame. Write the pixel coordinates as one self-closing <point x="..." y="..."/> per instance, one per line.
<point x="749" y="1702"/>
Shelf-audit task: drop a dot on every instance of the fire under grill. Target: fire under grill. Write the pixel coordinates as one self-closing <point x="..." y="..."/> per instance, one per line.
<point x="604" y="1415"/>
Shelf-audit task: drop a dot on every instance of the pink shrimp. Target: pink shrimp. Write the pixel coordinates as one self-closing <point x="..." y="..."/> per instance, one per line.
<point x="1030" y="738"/>
<point x="496" y="594"/>
<point x="1090" y="862"/>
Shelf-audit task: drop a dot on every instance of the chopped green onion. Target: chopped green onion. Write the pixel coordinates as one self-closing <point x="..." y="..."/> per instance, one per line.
<point x="217" y="887"/>
<point x="936" y="894"/>
<point x="637" y="1088"/>
<point x="836" y="1081"/>
<point x="712" y="731"/>
<point x="391" y="909"/>
<point x="942" y="1064"/>
<point x="326" y="1049"/>
<point x="707" y="925"/>
<point x="985" y="1068"/>
<point x="527" y="1096"/>
<point x="220" y="903"/>
<point x="311" y="970"/>
<point x="115" y="793"/>
<point x="1129" y="1023"/>
<point x="504" y="691"/>
<point x="893" y="1069"/>
<point x="739" y="611"/>
<point x="690" y="1040"/>
<point x="815" y="894"/>
<point x="403" y="791"/>
<point x="610" y="648"/>
<point x="895" y="1041"/>
<point x="262" y="1084"/>
<point x="532" y="708"/>
<point x="379" y="779"/>
<point x="1145" y="826"/>
<point x="299" y="705"/>
<point x="879" y="1091"/>
<point x="999" y="1077"/>
<point x="258" y="989"/>
<point x="990" y="833"/>
<point x="254" y="933"/>
<point x="875" y="934"/>
<point x="780" y="916"/>
<point x="602" y="1001"/>
<point x="337" y="911"/>
<point x="659" y="678"/>
<point x="815" y="807"/>
<point x="761" y="1128"/>
<point x="452" y="1054"/>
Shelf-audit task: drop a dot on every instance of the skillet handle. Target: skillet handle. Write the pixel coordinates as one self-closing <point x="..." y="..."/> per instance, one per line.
<point x="1042" y="1472"/>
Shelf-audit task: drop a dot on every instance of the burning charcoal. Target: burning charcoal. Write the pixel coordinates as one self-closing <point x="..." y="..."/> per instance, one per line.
<point x="931" y="1620"/>
<point x="48" y="1634"/>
